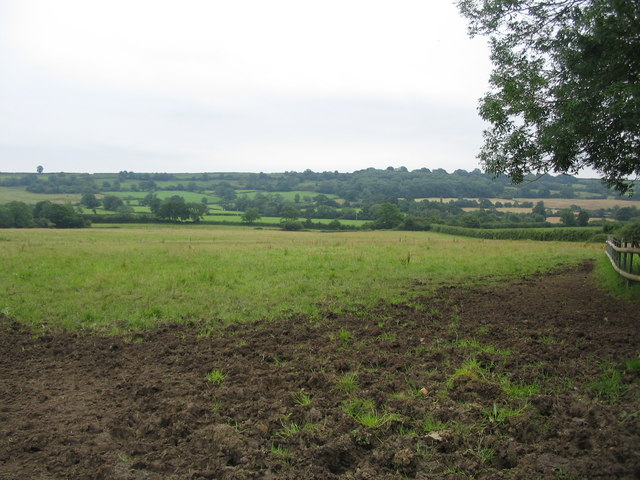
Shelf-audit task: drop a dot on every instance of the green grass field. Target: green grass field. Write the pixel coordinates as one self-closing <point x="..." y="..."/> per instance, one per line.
<point x="288" y="196"/>
<point x="123" y="278"/>
<point x="19" y="194"/>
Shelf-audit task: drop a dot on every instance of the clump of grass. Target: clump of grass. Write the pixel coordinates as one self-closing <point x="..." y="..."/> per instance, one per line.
<point x="364" y="411"/>
<point x="633" y="365"/>
<point x="216" y="376"/>
<point x="500" y="414"/>
<point x="278" y="362"/>
<point x="471" y="368"/>
<point x="609" y="383"/>
<point x="344" y="336"/>
<point x="280" y="452"/>
<point x="484" y="330"/>
<point x="291" y="428"/>
<point x="430" y="424"/>
<point x="548" y="340"/>
<point x="485" y="453"/>
<point x="348" y="383"/>
<point x="388" y="336"/>
<point x="301" y="398"/>
<point x="518" y="390"/>
<point x="480" y="347"/>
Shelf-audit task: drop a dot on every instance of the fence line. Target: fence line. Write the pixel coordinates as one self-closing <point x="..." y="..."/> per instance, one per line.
<point x="621" y="256"/>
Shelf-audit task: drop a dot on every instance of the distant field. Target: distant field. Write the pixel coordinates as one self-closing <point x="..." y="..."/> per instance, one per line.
<point x="557" y="220"/>
<point x="19" y="194"/>
<point x="275" y="220"/>
<point x="583" y="203"/>
<point x="554" y="203"/>
<point x="162" y="194"/>
<point x="121" y="278"/>
<point x="289" y="196"/>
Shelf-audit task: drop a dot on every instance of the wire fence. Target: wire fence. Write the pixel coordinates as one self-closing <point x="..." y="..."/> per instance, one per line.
<point x="622" y="255"/>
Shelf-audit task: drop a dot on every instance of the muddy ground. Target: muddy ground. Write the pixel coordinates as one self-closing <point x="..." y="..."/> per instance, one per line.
<point x="380" y="394"/>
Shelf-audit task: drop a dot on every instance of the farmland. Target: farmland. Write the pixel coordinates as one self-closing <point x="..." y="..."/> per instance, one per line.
<point x="378" y="199"/>
<point x="229" y="352"/>
<point x="121" y="278"/>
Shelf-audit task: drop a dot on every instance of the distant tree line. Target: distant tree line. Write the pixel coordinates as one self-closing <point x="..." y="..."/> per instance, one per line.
<point x="364" y="186"/>
<point x="42" y="214"/>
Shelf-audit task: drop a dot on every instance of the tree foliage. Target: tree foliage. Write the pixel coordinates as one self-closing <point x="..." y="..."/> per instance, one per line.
<point x="89" y="200"/>
<point x="251" y="215"/>
<point x="387" y="215"/>
<point x="565" y="89"/>
<point x="112" y="203"/>
<point x="175" y="208"/>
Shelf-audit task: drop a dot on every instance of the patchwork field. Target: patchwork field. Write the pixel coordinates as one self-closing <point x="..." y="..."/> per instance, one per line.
<point x="171" y="353"/>
<point x="554" y="203"/>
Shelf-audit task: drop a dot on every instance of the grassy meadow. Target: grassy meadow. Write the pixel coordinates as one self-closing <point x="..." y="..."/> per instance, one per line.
<point x="115" y="279"/>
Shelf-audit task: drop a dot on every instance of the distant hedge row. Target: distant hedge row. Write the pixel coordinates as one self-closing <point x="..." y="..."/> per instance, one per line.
<point x="145" y="218"/>
<point x="593" y="234"/>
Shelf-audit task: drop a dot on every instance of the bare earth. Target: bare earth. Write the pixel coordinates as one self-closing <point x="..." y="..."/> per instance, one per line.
<point x="81" y="406"/>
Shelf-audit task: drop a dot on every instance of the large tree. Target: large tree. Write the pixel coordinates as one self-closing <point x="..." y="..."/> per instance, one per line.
<point x="565" y="88"/>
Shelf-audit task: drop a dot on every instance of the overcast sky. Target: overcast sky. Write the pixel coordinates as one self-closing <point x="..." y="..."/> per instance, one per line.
<point x="238" y="85"/>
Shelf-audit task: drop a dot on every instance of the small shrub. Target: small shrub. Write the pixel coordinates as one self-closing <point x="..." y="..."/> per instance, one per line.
<point x="291" y="225"/>
<point x="629" y="233"/>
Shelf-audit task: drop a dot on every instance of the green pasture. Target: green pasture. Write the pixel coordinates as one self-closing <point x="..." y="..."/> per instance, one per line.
<point x="188" y="196"/>
<point x="288" y="196"/>
<point x="123" y="278"/>
<point x="19" y="194"/>
<point x="162" y="194"/>
<point x="237" y="218"/>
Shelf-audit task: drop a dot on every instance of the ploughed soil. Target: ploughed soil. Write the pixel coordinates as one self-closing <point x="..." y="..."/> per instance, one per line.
<point x="524" y="380"/>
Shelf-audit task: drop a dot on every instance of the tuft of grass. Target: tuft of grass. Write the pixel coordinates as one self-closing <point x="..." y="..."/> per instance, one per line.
<point x="216" y="376"/>
<point x="291" y="428"/>
<point x="301" y="398"/>
<point x="480" y="347"/>
<point x="485" y="454"/>
<point x="344" y="336"/>
<point x="519" y="390"/>
<point x="280" y="452"/>
<point x="609" y="384"/>
<point x="348" y="383"/>
<point x="430" y="424"/>
<point x="278" y="362"/>
<point x="548" y="340"/>
<point x="365" y="412"/>
<point x="633" y="365"/>
<point x="388" y="336"/>
<point x="471" y="368"/>
<point x="375" y="419"/>
<point x="499" y="415"/>
<point x="288" y="430"/>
